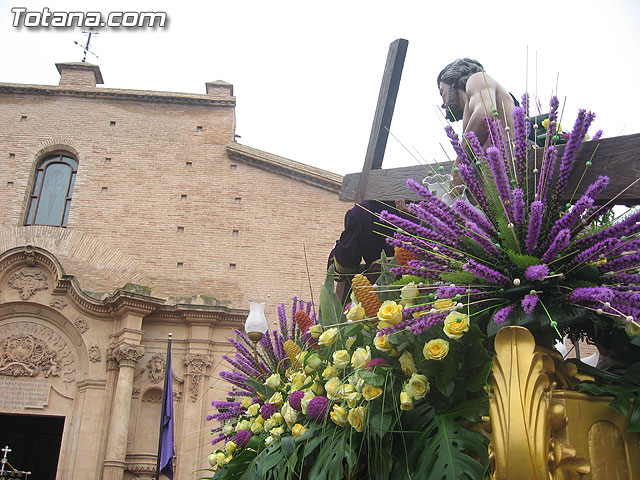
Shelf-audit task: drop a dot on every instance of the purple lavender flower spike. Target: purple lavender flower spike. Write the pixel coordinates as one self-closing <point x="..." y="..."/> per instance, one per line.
<point x="267" y="347"/>
<point x="529" y="303"/>
<point x="519" y="207"/>
<point x="433" y="221"/>
<point x="597" y="135"/>
<point x="626" y="227"/>
<point x="494" y="127"/>
<point x="520" y="143"/>
<point x="597" y="187"/>
<point x="282" y="321"/>
<point x="575" y="139"/>
<point x="482" y="271"/>
<point x="535" y="222"/>
<point x="469" y="178"/>
<point x="477" y="235"/>
<point x="626" y="262"/>
<point x="474" y="144"/>
<point x="546" y="173"/>
<point x="536" y="272"/>
<point x="457" y="146"/>
<point x="425" y="322"/>
<point x="559" y="243"/>
<point x="469" y="212"/>
<point x="279" y="345"/>
<point x="501" y="315"/>
<point x="569" y="219"/>
<point x="591" y="294"/>
<point x="235" y="378"/>
<point x="500" y="176"/>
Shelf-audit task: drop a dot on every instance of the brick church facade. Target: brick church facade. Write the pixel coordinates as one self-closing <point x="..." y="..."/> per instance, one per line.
<point x="127" y="215"/>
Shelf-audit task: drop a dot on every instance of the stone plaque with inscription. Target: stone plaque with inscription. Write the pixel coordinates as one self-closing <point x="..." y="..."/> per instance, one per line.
<point x="18" y="394"/>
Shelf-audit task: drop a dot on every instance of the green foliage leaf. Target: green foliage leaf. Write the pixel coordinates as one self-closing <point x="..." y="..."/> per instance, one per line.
<point x="371" y="378"/>
<point x="507" y="239"/>
<point x="330" y="306"/>
<point x="444" y="449"/>
<point x="523" y="261"/>
<point x="474" y="247"/>
<point x="459" y="277"/>
<point x="380" y="423"/>
<point x="386" y="277"/>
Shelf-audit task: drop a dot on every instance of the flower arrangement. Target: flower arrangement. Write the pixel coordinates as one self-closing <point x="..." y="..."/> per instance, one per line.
<point x="393" y="386"/>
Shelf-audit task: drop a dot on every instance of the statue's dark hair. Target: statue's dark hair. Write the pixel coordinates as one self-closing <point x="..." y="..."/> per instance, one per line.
<point x="458" y="72"/>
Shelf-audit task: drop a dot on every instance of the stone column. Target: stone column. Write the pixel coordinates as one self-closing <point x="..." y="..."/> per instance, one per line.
<point x="127" y="355"/>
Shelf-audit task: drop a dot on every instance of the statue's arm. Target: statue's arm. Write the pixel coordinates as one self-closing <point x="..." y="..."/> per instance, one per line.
<point x="481" y="91"/>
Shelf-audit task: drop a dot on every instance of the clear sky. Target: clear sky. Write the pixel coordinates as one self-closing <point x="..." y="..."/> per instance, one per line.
<point x="307" y="74"/>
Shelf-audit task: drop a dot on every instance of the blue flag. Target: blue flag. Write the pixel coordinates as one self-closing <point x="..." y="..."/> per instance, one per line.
<point x="165" y="447"/>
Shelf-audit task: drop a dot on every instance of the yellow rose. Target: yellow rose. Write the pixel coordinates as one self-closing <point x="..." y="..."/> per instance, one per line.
<point x="298" y="381"/>
<point x="230" y="447"/>
<point x="298" y="430"/>
<point x="276" y="399"/>
<point x="220" y="457"/>
<point x="390" y="313"/>
<point x="328" y="337"/>
<point x="243" y="425"/>
<point x="418" y="386"/>
<point x="361" y="357"/>
<point x="355" y="313"/>
<point x="273" y="381"/>
<point x="257" y="428"/>
<point x="444" y="304"/>
<point x="259" y="419"/>
<point x="406" y="403"/>
<point x="407" y="364"/>
<point x="356" y="418"/>
<point x="289" y="414"/>
<point x="276" y="432"/>
<point x="382" y="343"/>
<point x="315" y="331"/>
<point x="409" y="291"/>
<point x="333" y="388"/>
<point x="246" y="402"/>
<point x="341" y="359"/>
<point x="435" y="349"/>
<point x="253" y="410"/>
<point x="317" y="388"/>
<point x="304" y="402"/>
<point x="338" y="415"/>
<point x="329" y="372"/>
<point x="456" y="324"/>
<point x="349" y="342"/>
<point x="349" y="393"/>
<point x="312" y="362"/>
<point x="277" y="418"/>
<point x="269" y="424"/>
<point x="371" y="392"/>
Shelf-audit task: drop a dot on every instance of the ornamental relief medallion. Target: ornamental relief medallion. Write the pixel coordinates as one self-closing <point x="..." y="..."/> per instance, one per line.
<point x="30" y="349"/>
<point x="95" y="354"/>
<point x="81" y="324"/>
<point x="28" y="281"/>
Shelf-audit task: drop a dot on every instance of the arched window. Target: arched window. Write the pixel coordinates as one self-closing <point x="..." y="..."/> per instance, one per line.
<point x="52" y="189"/>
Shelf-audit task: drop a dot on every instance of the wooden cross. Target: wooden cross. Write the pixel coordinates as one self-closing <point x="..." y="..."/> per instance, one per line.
<point x="616" y="157"/>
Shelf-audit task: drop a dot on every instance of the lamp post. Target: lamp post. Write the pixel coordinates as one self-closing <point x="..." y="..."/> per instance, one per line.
<point x="256" y="326"/>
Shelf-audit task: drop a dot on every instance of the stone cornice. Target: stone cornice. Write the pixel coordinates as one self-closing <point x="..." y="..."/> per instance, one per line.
<point x="118" y="94"/>
<point x="317" y="177"/>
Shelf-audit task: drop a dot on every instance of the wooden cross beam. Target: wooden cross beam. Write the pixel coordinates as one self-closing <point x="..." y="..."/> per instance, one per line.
<point x="616" y="157"/>
<point x="384" y="114"/>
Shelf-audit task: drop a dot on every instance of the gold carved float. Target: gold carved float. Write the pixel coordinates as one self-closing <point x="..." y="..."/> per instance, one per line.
<point x="542" y="429"/>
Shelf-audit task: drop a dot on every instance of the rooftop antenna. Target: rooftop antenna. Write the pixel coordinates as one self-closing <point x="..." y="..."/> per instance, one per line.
<point x="85" y="48"/>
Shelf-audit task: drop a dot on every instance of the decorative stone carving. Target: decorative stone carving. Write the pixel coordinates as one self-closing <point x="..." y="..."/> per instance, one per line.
<point x="156" y="368"/>
<point x="28" y="281"/>
<point x="152" y="395"/>
<point x="197" y="364"/>
<point x="58" y="303"/>
<point x="177" y="396"/>
<point x="126" y="353"/>
<point x="95" y="354"/>
<point x="135" y="392"/>
<point x="81" y="324"/>
<point x="24" y="355"/>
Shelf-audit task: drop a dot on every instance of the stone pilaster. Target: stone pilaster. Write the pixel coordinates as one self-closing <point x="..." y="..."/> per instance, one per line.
<point x="126" y="355"/>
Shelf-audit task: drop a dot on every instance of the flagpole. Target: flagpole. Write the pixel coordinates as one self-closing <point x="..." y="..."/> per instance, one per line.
<point x="165" y="392"/>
